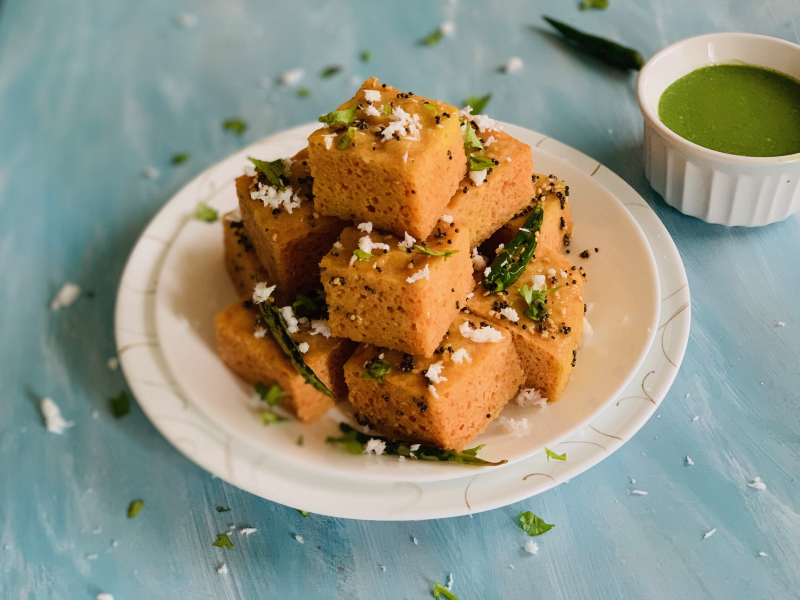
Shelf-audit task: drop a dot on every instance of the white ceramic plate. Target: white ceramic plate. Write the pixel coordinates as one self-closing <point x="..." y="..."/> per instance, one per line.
<point x="282" y="476"/>
<point x="622" y="292"/>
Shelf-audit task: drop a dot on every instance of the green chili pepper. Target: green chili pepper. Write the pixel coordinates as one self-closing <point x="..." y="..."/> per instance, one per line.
<point x="276" y="325"/>
<point x="509" y="265"/>
<point x="609" y="52"/>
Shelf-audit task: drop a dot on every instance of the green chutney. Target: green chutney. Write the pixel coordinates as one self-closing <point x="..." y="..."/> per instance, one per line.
<point x="736" y="109"/>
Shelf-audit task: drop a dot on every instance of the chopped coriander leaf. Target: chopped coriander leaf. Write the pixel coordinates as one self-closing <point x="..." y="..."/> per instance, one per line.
<point x="180" y="158"/>
<point x="268" y="417"/>
<point x="273" y="171"/>
<point x="366" y="56"/>
<point x="305" y="513"/>
<point x="347" y="138"/>
<point x="444" y="253"/>
<point x="430" y="108"/>
<point x="362" y="254"/>
<point x="237" y="126"/>
<point x="222" y="509"/>
<point x="204" y="212"/>
<point x="439" y="591"/>
<point x="532" y="524"/>
<point x="537" y="305"/>
<point x="135" y="508"/>
<point x="270" y="394"/>
<point x="304" y="301"/>
<point x="223" y="541"/>
<point x="598" y="4"/>
<point x="478" y="163"/>
<point x="303" y="92"/>
<point x="346" y="116"/>
<point x="433" y="38"/>
<point x="330" y="71"/>
<point x="471" y="141"/>
<point x="377" y="369"/>
<point x="354" y="441"/>
<point x="477" y="104"/>
<point x="120" y="405"/>
<point x="387" y="109"/>
<point x="554" y="456"/>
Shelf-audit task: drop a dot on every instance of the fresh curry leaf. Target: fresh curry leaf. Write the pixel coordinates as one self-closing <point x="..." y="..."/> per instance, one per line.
<point x="366" y="56"/>
<point x="277" y="327"/>
<point x="304" y="301"/>
<point x="237" y="126"/>
<point x="330" y="71"/>
<point x="345" y="117"/>
<point x="477" y="104"/>
<point x="272" y="394"/>
<point x="354" y="441"/>
<point x="479" y="163"/>
<point x="305" y="513"/>
<point x="223" y="541"/>
<point x="135" y="508"/>
<point x="203" y="212"/>
<point x="222" y="509"/>
<point x="377" y="369"/>
<point x="433" y="38"/>
<point x="554" y="456"/>
<point x="180" y="158"/>
<point x="444" y="253"/>
<point x="303" y="92"/>
<point x="273" y="171"/>
<point x="120" y="405"/>
<point x="532" y="524"/>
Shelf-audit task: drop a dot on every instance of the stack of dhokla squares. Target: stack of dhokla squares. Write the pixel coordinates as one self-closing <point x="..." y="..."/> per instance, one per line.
<point x="376" y="244"/>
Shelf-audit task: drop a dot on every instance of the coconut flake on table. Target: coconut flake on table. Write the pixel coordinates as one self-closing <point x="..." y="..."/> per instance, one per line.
<point x="261" y="292"/>
<point x="757" y="484"/>
<point x="223" y="569"/>
<point x="404" y="124"/>
<point x="289" y="319"/>
<point x="710" y="533"/>
<point x="151" y="173"/>
<point x="780" y="324"/>
<point x="460" y="355"/>
<point x="638" y="493"/>
<point x="531" y="547"/>
<point x="421" y="274"/>
<point x="447" y="28"/>
<point x="112" y="363"/>
<point x="292" y="77"/>
<point x="66" y="296"/>
<point x="519" y="428"/>
<point x="513" y="64"/>
<point x="104" y="597"/>
<point x="481" y="335"/>
<point x="186" y="20"/>
<point x="407" y="242"/>
<point x="247" y="531"/>
<point x="320" y="326"/>
<point x="376" y="447"/>
<point x="531" y="397"/>
<point x="478" y="261"/>
<point x="299" y="539"/>
<point x="53" y="421"/>
<point x="689" y="460"/>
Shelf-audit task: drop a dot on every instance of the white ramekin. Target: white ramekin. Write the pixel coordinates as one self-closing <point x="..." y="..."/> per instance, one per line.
<point x="710" y="185"/>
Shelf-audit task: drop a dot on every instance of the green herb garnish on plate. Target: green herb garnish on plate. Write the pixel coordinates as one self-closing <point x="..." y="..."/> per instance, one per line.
<point x="345" y="117"/>
<point x="532" y="524"/>
<point x="134" y="508"/>
<point x="273" y="171"/>
<point x="271" y="394"/>
<point x="377" y="369"/>
<point x="119" y="405"/>
<point x="443" y="253"/>
<point x="268" y="417"/>
<point x="203" y="212"/>
<point x="355" y="442"/>
<point x="237" y="126"/>
<point x="554" y="456"/>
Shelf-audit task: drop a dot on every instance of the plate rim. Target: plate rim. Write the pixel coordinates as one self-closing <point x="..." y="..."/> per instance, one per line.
<point x="128" y="293"/>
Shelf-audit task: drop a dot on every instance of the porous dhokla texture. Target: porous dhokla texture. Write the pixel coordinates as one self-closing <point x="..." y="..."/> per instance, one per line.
<point x="547" y="349"/>
<point x="259" y="359"/>
<point x="489" y="199"/>
<point x="241" y="261"/>
<point x="556" y="224"/>
<point x="289" y="236"/>
<point x="400" y="169"/>
<point x="400" y="297"/>
<point x="444" y="401"/>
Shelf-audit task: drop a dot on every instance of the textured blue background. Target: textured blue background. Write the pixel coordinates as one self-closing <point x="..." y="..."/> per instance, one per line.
<point x="92" y="93"/>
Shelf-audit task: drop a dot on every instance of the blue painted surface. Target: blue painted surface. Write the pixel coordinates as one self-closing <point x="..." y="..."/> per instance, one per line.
<point x="92" y="93"/>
